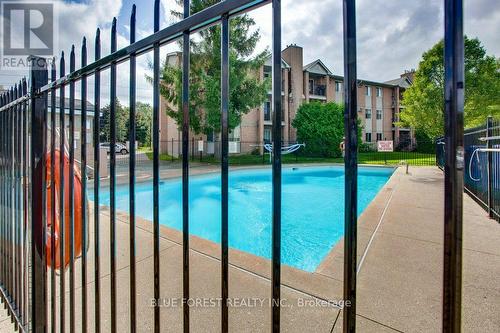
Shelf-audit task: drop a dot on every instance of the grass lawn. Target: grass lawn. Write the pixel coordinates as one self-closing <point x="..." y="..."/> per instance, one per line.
<point x="163" y="157"/>
<point x="394" y="158"/>
<point x="374" y="158"/>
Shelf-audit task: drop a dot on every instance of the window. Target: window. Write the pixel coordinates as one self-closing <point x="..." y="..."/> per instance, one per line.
<point x="267" y="72"/>
<point x="267" y="134"/>
<point x="311" y="86"/>
<point x="379" y="136"/>
<point x="368" y="113"/>
<point x="338" y="86"/>
<point x="379" y="92"/>
<point x="368" y="91"/>
<point x="368" y="137"/>
<point x="267" y="110"/>
<point x="211" y="136"/>
<point x="379" y="114"/>
<point x="234" y="135"/>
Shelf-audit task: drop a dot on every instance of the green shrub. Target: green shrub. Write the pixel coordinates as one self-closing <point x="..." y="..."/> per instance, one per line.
<point x="321" y="127"/>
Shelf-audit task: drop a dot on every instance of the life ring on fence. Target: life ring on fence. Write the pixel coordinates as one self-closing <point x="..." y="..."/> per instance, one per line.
<point x="54" y="184"/>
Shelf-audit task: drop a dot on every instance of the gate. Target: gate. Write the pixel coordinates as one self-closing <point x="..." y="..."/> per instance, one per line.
<point x="26" y="161"/>
<point x="481" y="158"/>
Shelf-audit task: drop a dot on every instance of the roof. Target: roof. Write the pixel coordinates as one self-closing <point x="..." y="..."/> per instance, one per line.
<point x="78" y="104"/>
<point x="317" y="67"/>
<point x="268" y="62"/>
<point x="400" y="82"/>
<point x="361" y="81"/>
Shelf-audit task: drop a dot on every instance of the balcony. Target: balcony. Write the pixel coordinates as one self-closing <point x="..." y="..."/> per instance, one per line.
<point x="318" y="92"/>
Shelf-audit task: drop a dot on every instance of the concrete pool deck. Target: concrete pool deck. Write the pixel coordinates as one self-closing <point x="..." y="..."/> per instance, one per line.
<point x="400" y="243"/>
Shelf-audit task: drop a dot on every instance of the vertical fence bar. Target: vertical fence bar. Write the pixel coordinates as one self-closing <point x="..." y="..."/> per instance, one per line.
<point x="12" y="146"/>
<point x="14" y="203"/>
<point x="156" y="167"/>
<point x="83" y="131"/>
<point x="2" y="194"/>
<point x="454" y="164"/>
<point x="351" y="165"/>
<point x="132" y="135"/>
<point x="71" y="203"/>
<point x="12" y="207"/>
<point x="62" y="201"/>
<point x="185" y="166"/>
<point x="11" y="200"/>
<point x="25" y="205"/>
<point x="39" y="78"/>
<point x="19" y="220"/>
<point x="489" y="134"/>
<point x="7" y="191"/>
<point x="18" y="204"/>
<point x="225" y="171"/>
<point x="12" y="290"/>
<point x="112" y="180"/>
<point x="4" y="197"/>
<point x="276" y="160"/>
<point x="2" y="189"/>
<point x="172" y="150"/>
<point x="52" y="187"/>
<point x="97" y="177"/>
<point x="9" y="194"/>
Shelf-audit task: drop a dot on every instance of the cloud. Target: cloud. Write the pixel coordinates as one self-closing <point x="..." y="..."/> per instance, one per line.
<point x="392" y="35"/>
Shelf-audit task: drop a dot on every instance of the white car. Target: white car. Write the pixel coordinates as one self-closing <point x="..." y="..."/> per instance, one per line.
<point x="119" y="148"/>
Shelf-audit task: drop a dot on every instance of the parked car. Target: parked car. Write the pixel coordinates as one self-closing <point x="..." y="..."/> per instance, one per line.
<point x="119" y="148"/>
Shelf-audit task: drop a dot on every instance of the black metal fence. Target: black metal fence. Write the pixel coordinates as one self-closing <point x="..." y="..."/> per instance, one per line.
<point x="241" y="152"/>
<point x="18" y="164"/>
<point x="482" y="165"/>
<point x="44" y="219"/>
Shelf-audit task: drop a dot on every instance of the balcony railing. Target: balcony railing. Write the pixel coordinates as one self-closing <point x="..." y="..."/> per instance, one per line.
<point x="318" y="90"/>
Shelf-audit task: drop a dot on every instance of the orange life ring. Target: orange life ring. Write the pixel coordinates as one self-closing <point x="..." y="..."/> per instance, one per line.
<point x="54" y="183"/>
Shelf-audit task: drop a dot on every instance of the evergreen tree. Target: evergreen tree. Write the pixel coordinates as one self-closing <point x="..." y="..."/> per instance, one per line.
<point x="247" y="90"/>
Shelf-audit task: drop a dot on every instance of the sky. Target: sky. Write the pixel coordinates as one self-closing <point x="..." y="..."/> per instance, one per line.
<point x="392" y="35"/>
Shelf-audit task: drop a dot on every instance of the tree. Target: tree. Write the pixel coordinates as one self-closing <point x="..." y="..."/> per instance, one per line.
<point x="424" y="100"/>
<point x="144" y="121"/>
<point x="321" y="127"/>
<point x="121" y="116"/>
<point x="247" y="90"/>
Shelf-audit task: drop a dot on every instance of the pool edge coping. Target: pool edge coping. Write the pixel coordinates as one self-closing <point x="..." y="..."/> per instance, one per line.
<point x="324" y="283"/>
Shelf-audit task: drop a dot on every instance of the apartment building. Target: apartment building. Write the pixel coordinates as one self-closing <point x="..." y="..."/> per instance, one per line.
<point x="379" y="105"/>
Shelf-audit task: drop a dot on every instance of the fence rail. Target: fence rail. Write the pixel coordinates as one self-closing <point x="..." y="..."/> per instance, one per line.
<point x="481" y="164"/>
<point x="255" y="153"/>
<point x="44" y="217"/>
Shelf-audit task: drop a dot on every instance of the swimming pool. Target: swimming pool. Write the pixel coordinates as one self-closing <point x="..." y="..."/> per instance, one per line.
<point x="312" y="214"/>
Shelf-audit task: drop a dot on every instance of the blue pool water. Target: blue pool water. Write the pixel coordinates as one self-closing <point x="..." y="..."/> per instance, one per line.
<point x="312" y="215"/>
